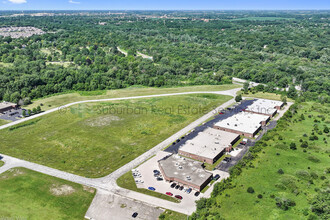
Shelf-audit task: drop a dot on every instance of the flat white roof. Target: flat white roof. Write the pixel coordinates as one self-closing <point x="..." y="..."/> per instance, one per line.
<point x="6" y="104"/>
<point x="245" y="122"/>
<point x="209" y="143"/>
<point x="264" y="106"/>
<point x="184" y="169"/>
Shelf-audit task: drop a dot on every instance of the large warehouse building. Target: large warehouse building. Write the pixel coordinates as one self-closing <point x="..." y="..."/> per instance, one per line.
<point x="208" y="146"/>
<point x="6" y="106"/>
<point x="265" y="107"/>
<point x="243" y="123"/>
<point x="184" y="171"/>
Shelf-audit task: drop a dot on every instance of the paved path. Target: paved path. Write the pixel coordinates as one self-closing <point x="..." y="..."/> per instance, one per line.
<point x="108" y="183"/>
<point x="231" y="92"/>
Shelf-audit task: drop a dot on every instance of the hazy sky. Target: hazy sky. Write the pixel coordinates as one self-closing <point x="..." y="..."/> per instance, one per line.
<point x="161" y="4"/>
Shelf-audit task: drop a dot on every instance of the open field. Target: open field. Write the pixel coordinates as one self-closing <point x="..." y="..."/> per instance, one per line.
<point x="266" y="95"/>
<point x="59" y="100"/>
<point x="94" y="139"/>
<point x="171" y="215"/>
<point x="281" y="172"/>
<point x="127" y="181"/>
<point x="3" y="122"/>
<point x="26" y="194"/>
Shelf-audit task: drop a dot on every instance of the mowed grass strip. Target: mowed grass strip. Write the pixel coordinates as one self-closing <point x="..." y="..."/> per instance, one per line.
<point x="3" y="122"/>
<point x="127" y="181"/>
<point x="305" y="171"/>
<point x="95" y="139"/>
<point x="59" y="100"/>
<point x="26" y="194"/>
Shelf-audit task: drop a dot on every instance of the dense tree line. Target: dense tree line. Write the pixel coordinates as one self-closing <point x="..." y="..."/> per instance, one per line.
<point x="280" y="49"/>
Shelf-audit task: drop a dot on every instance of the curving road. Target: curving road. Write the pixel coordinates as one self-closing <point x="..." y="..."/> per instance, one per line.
<point x="231" y="92"/>
<point x="108" y="183"/>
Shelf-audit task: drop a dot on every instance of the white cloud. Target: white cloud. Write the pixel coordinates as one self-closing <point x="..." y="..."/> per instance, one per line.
<point x="73" y="2"/>
<point x="17" y="1"/>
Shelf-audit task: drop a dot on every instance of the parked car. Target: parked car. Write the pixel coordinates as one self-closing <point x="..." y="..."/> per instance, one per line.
<point x="197" y="193"/>
<point x="173" y="143"/>
<point x="159" y="179"/>
<point x="221" y="113"/>
<point x="169" y="194"/>
<point x="181" y="188"/>
<point x="177" y="186"/>
<point x="135" y="214"/>
<point x="178" y="140"/>
<point x="173" y="185"/>
<point x="156" y="171"/>
<point x="189" y="190"/>
<point x="244" y="141"/>
<point x="216" y="177"/>
<point x="178" y="197"/>
<point x="151" y="188"/>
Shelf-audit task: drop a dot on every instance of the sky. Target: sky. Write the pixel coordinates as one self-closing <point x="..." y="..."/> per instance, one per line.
<point x="164" y="4"/>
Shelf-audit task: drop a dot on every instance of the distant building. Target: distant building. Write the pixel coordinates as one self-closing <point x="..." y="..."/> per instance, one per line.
<point x="208" y="146"/>
<point x="6" y="106"/>
<point x="184" y="171"/>
<point x="265" y="107"/>
<point x="244" y="123"/>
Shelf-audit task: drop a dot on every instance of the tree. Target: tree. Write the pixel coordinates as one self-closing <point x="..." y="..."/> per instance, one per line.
<point x="326" y="129"/>
<point x="293" y="146"/>
<point x="15" y="97"/>
<point x="38" y="109"/>
<point x="238" y="98"/>
<point x="250" y="190"/>
<point x="24" y="113"/>
<point x="292" y="93"/>
<point x="246" y="87"/>
<point x="283" y="99"/>
<point x="35" y="111"/>
<point x="29" y="112"/>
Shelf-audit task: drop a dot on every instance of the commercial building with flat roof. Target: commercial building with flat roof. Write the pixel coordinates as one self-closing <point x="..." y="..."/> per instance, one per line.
<point x="184" y="171"/>
<point x="209" y="145"/>
<point x="265" y="107"/>
<point x="243" y="123"/>
<point x="6" y="106"/>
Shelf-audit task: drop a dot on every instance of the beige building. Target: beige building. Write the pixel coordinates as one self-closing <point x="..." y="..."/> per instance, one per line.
<point x="6" y="106"/>
<point x="265" y="107"/>
<point x="184" y="171"/>
<point x="209" y="145"/>
<point x="244" y="123"/>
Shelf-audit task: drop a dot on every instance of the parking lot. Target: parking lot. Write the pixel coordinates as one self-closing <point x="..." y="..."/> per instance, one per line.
<point x="226" y="113"/>
<point x="146" y="176"/>
<point x="11" y="115"/>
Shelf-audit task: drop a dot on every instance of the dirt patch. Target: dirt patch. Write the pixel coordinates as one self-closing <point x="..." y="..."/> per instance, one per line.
<point x="89" y="189"/>
<point x="62" y="190"/>
<point x="101" y="121"/>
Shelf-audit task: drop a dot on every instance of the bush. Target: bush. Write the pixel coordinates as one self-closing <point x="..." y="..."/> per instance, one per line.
<point x="259" y="196"/>
<point x="280" y="171"/>
<point x="304" y="144"/>
<point x="250" y="190"/>
<point x="284" y="203"/>
<point x="313" y="159"/>
<point x="293" y="146"/>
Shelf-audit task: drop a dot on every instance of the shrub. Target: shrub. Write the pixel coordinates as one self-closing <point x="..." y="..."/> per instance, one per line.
<point x="293" y="146"/>
<point x="284" y="203"/>
<point x="280" y="171"/>
<point x="304" y="144"/>
<point x="259" y="196"/>
<point x="313" y="159"/>
<point x="250" y="190"/>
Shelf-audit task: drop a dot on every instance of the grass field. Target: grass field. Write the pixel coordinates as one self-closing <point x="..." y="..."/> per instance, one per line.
<point x="3" y="122"/>
<point x="1" y="163"/>
<point x="95" y="139"/>
<point x="171" y="215"/>
<point x="127" y="181"/>
<point x="305" y="171"/>
<point x="59" y="100"/>
<point x="266" y="95"/>
<point x="26" y="194"/>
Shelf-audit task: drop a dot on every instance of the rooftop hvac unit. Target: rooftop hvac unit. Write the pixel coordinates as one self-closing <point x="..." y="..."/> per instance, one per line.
<point x="180" y="167"/>
<point x="216" y="142"/>
<point x="227" y="123"/>
<point x="235" y="125"/>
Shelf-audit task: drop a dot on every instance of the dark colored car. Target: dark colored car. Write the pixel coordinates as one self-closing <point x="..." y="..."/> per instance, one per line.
<point x="178" y="140"/>
<point x="177" y="187"/>
<point x="181" y="188"/>
<point x="197" y="194"/>
<point x="189" y="190"/>
<point x="151" y="188"/>
<point x="216" y="177"/>
<point x="159" y="179"/>
<point x="173" y="185"/>
<point x="135" y="214"/>
<point x="243" y="142"/>
<point x="178" y="197"/>
<point x="156" y="171"/>
<point x="173" y="143"/>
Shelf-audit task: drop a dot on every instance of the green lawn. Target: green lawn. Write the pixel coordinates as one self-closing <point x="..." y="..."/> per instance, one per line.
<point x="127" y="181"/>
<point x="1" y="163"/>
<point x="305" y="171"/>
<point x="266" y="95"/>
<point x="3" y="122"/>
<point x="171" y="215"/>
<point x="59" y="100"/>
<point x="94" y="139"/>
<point x="26" y="194"/>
